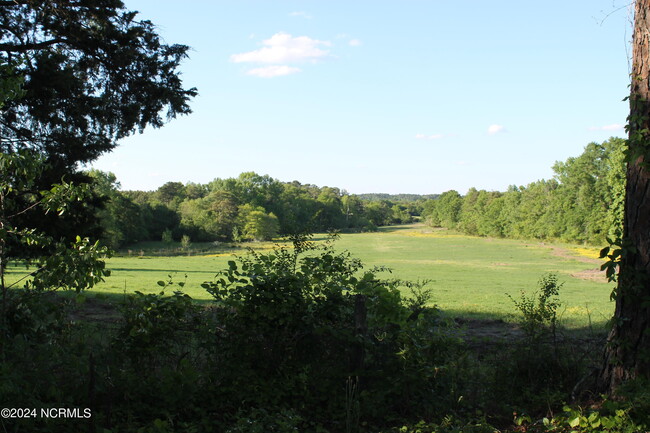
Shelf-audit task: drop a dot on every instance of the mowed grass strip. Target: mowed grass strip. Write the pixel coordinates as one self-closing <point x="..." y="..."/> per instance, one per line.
<point x="470" y="276"/>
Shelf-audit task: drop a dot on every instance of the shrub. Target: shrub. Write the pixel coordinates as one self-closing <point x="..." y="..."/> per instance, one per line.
<point x="540" y="310"/>
<point x="297" y="327"/>
<point x="539" y="371"/>
<point x="156" y="323"/>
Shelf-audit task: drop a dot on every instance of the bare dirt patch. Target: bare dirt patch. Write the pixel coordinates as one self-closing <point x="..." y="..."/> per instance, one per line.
<point x="591" y="275"/>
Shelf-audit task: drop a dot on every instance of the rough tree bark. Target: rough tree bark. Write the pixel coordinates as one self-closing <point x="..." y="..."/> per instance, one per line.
<point x="627" y="354"/>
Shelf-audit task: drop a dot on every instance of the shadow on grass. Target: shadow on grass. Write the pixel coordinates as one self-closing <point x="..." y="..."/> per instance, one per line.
<point x="397" y="228"/>
<point x="476" y="319"/>
<point x="98" y="307"/>
<point x="178" y="272"/>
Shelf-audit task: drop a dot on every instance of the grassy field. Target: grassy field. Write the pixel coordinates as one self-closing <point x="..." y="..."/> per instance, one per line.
<point x="470" y="276"/>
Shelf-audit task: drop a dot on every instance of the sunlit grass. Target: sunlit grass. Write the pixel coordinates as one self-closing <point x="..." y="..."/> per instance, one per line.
<point x="468" y="275"/>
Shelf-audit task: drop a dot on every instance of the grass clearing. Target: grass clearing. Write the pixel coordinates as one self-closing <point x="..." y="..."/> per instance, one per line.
<point x="470" y="276"/>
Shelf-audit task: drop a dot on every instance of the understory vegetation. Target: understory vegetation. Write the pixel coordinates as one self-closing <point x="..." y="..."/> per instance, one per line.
<point x="298" y="339"/>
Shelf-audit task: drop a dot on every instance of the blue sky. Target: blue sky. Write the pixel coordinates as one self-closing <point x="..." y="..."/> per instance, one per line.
<point x="405" y="96"/>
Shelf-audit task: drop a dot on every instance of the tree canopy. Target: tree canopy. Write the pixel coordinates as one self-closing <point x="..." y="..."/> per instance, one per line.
<point x="93" y="74"/>
<point x="582" y="203"/>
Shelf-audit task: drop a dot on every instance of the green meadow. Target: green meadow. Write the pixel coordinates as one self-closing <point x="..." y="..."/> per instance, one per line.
<point x="472" y="276"/>
<point x="469" y="276"/>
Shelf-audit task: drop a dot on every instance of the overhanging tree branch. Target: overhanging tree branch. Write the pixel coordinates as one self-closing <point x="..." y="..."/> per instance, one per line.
<point x="14" y="48"/>
<point x="12" y="3"/>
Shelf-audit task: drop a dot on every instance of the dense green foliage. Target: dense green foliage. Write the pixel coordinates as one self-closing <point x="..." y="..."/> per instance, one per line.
<point x="249" y="207"/>
<point x="296" y="339"/>
<point x="91" y="73"/>
<point x="582" y="203"/>
<point x="59" y="265"/>
<point x="300" y="336"/>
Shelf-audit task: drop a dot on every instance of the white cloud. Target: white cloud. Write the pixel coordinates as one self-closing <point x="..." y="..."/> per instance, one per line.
<point x="284" y="48"/>
<point x="429" y="137"/>
<point x="495" y="129"/>
<point x="301" y="14"/>
<point x="612" y="127"/>
<point x="273" y="71"/>
<point x="355" y="43"/>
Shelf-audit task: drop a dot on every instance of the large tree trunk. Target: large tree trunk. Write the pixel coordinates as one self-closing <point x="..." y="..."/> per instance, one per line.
<point x="627" y="355"/>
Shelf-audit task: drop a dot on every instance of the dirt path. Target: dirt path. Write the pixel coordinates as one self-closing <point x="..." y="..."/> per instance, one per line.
<point x="591" y="274"/>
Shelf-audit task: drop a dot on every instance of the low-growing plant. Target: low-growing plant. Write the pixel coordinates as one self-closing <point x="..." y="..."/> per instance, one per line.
<point x="33" y="315"/>
<point x="540" y="310"/>
<point x="539" y="369"/>
<point x="449" y="424"/>
<point x="186" y="243"/>
<point x="610" y="418"/>
<point x="153" y="321"/>
<point x="167" y="237"/>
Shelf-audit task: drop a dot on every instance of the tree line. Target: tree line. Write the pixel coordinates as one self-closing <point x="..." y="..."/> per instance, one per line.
<point x="249" y="207"/>
<point x="582" y="203"/>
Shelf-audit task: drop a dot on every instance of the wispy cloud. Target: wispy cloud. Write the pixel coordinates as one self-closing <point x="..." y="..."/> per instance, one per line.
<point x="496" y="129"/>
<point x="301" y="14"/>
<point x="284" y="48"/>
<point x="273" y="71"/>
<point x="612" y="127"/>
<point x="429" y="137"/>
<point x="355" y="43"/>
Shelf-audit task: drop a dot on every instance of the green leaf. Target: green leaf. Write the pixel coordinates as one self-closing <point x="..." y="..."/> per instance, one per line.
<point x="161" y="283"/>
<point x="594" y="420"/>
<point x="608" y="422"/>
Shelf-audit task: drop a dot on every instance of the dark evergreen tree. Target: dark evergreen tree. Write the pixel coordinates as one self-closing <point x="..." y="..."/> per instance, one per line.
<point x="92" y="74"/>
